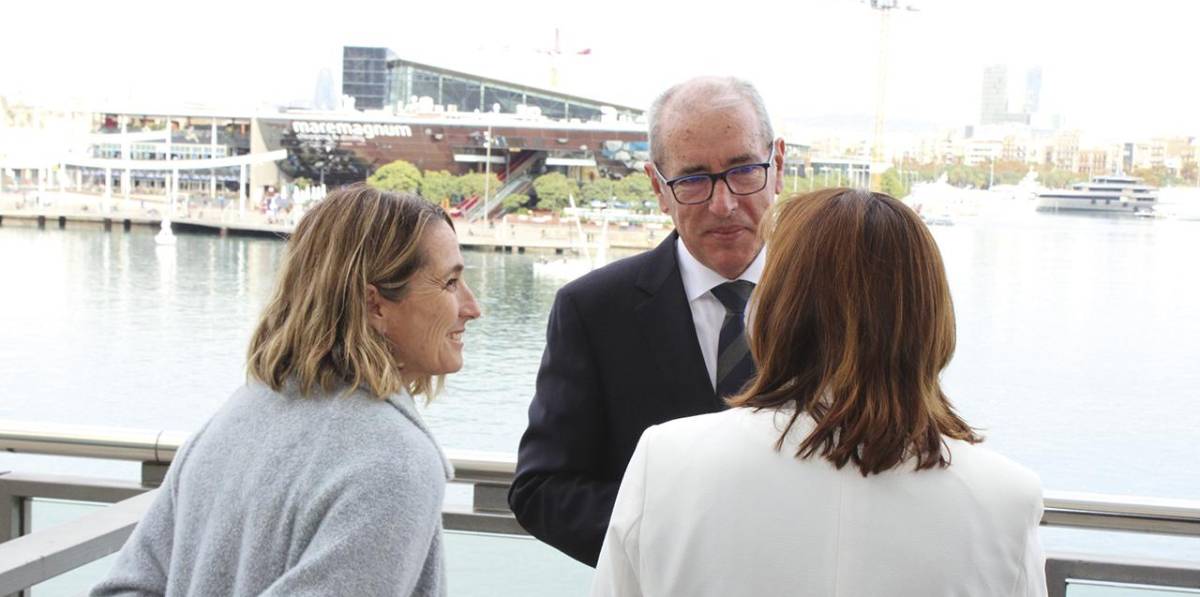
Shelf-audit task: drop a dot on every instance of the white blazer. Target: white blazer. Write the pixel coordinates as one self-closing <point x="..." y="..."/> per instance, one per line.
<point x="709" y="507"/>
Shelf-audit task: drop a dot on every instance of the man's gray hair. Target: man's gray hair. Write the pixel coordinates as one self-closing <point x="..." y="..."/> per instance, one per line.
<point x="713" y="87"/>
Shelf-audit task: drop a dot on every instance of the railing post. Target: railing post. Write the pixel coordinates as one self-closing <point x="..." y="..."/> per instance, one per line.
<point x="14" y="513"/>
<point x="1056" y="578"/>
<point x="16" y="517"/>
<point x="9" y="513"/>
<point x="153" y="473"/>
<point x="490" y="497"/>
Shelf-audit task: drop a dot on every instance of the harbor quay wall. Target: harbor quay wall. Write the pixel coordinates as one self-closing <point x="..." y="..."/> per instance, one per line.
<point x="509" y="234"/>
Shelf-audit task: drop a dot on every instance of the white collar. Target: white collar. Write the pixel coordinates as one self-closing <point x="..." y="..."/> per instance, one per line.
<point x="699" y="279"/>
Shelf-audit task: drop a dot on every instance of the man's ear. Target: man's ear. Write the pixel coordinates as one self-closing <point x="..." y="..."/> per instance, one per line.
<point x="659" y="189"/>
<point x="780" y="157"/>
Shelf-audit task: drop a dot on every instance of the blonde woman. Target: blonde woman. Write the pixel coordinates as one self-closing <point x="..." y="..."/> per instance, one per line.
<point x="842" y="469"/>
<point x="318" y="477"/>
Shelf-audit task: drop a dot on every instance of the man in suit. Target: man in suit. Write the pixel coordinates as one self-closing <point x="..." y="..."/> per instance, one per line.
<point x="656" y="336"/>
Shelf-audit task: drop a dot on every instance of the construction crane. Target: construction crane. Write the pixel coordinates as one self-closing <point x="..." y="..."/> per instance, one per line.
<point x="884" y="7"/>
<point x="555" y="54"/>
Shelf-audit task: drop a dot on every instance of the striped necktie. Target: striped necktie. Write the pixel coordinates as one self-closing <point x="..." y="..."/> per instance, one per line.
<point x="734" y="365"/>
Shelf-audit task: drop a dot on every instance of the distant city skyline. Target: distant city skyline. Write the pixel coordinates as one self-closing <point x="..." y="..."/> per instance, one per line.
<point x="814" y="60"/>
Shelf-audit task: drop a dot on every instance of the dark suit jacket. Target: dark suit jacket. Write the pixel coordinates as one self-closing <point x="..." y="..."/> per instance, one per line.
<point x="621" y="355"/>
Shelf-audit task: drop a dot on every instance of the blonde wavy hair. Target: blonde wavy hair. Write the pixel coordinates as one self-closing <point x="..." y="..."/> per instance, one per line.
<point x="314" y="332"/>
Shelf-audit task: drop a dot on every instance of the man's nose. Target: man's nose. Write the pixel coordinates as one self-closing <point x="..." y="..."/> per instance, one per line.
<point x="723" y="202"/>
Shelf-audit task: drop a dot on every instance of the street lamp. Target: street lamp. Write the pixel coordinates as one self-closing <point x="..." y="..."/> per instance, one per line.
<point x="326" y="148"/>
<point x="487" y="169"/>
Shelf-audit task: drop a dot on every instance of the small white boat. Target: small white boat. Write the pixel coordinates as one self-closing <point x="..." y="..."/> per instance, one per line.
<point x="165" y="236"/>
<point x="935" y="201"/>
<point x="942" y="219"/>
<point x="561" y="269"/>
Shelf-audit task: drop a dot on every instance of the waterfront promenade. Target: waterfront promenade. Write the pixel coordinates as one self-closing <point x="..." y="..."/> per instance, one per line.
<point x="513" y="234"/>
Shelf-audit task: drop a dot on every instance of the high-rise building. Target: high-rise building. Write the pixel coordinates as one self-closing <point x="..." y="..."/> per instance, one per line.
<point x="1033" y="90"/>
<point x="994" y="109"/>
<point x="995" y="99"/>
<point x="324" y="98"/>
<point x="365" y="76"/>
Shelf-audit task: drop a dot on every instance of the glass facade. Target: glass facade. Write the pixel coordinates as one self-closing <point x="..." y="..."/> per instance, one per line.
<point x="191" y="139"/>
<point x="550" y="108"/>
<point x="583" y="112"/>
<point x="412" y="83"/>
<point x="502" y="100"/>
<point x="365" y="76"/>
<point x="424" y="84"/>
<point x="462" y="94"/>
<point x="158" y="151"/>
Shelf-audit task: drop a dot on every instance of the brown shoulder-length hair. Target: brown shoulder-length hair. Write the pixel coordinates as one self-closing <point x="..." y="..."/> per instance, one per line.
<point x="314" y="331"/>
<point x="852" y="324"/>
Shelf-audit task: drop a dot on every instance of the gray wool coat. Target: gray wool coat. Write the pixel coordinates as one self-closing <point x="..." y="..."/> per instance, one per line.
<point x="279" y="494"/>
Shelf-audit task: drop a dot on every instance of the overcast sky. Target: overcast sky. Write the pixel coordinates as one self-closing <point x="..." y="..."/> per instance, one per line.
<point x="1119" y="69"/>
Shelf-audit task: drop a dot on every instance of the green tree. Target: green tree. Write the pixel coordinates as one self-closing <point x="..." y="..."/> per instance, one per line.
<point x="515" y="202"/>
<point x="396" y="176"/>
<point x="961" y="175"/>
<point x="601" y="189"/>
<point x="552" y="190"/>
<point x="891" y="183"/>
<point x="439" y="185"/>
<point x="1157" y="176"/>
<point x="980" y="176"/>
<point x="1190" y="173"/>
<point x="799" y="185"/>
<point x="472" y="183"/>
<point x="635" y="189"/>
<point x="1009" y="171"/>
<point x="1057" y="179"/>
<point x="926" y="172"/>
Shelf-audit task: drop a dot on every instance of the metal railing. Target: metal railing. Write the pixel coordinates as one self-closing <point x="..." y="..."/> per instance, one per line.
<point x="26" y="559"/>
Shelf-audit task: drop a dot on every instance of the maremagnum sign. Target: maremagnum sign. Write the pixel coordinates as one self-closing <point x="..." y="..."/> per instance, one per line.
<point x="347" y="131"/>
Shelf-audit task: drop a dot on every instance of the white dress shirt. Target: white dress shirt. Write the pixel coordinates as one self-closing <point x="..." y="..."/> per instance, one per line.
<point x="707" y="312"/>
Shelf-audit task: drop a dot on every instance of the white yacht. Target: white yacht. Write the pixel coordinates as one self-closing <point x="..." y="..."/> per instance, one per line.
<point x="1109" y="194"/>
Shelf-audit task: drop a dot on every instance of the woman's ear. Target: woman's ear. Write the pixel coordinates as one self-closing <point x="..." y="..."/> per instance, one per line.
<point x="374" y="308"/>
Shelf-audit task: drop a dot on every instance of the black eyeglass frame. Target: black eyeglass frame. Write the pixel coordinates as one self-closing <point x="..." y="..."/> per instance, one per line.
<point x="720" y="176"/>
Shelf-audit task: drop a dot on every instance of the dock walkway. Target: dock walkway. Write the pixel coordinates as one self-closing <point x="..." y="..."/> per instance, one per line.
<point x="510" y="234"/>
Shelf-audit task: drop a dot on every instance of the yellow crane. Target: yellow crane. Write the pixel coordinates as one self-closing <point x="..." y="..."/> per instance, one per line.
<point x="556" y="54"/>
<point x="884" y="7"/>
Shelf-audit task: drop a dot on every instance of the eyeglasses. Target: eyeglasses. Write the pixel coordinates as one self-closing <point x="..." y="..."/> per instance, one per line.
<point x="691" y="189"/>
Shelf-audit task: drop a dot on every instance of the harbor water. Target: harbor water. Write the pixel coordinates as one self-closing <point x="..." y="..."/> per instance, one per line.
<point x="1078" y="340"/>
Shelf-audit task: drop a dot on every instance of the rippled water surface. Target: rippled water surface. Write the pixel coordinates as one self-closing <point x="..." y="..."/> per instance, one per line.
<point x="1077" y="350"/>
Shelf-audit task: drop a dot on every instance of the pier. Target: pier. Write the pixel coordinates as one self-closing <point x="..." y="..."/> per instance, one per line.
<point x="511" y="234"/>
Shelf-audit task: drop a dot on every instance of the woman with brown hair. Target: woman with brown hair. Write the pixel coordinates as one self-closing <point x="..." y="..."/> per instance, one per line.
<point x="842" y="469"/>
<point x="318" y="477"/>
